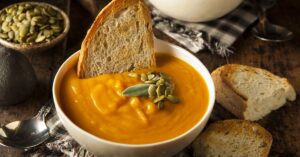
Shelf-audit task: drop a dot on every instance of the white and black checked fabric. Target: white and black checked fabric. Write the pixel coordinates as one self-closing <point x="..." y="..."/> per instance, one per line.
<point x="217" y="35"/>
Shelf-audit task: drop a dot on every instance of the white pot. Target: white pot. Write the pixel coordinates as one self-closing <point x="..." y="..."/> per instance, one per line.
<point x="195" y="10"/>
<point x="107" y="148"/>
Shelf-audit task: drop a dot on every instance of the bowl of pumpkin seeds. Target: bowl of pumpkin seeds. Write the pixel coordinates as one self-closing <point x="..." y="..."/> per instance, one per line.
<point x="32" y="26"/>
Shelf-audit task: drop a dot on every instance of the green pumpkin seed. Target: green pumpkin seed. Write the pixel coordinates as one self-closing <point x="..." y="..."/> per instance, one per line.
<point x="44" y="27"/>
<point x="168" y="91"/>
<point x="7" y="10"/>
<point x="16" y="37"/>
<point x="8" y="18"/>
<point x="56" y="28"/>
<point x="40" y="38"/>
<point x="52" y="20"/>
<point x="15" y="28"/>
<point x="45" y="12"/>
<point x="33" y="29"/>
<point x="36" y="18"/>
<point x="161" y="81"/>
<point x="160" y="105"/>
<point x="150" y="82"/>
<point x="144" y="77"/>
<point x="156" y="78"/>
<point x="15" y="19"/>
<point x="10" y="35"/>
<point x="14" y="13"/>
<point x="20" y="9"/>
<point x="24" y="29"/>
<point x="5" y="26"/>
<point x="152" y="91"/>
<point x="3" y="36"/>
<point x="3" y="16"/>
<point x="137" y="90"/>
<point x="32" y="23"/>
<point x="28" y="15"/>
<point x="21" y="16"/>
<point x="158" y="99"/>
<point x="20" y="39"/>
<point x="173" y="99"/>
<point x="25" y="22"/>
<point x="31" y="38"/>
<point x="150" y="76"/>
<point x="160" y="90"/>
<point x="47" y="33"/>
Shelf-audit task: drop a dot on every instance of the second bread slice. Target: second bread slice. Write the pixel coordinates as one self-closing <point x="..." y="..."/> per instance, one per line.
<point x="250" y="93"/>
<point x="233" y="138"/>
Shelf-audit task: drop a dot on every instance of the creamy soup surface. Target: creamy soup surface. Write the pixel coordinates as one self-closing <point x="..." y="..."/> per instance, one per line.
<point x="98" y="106"/>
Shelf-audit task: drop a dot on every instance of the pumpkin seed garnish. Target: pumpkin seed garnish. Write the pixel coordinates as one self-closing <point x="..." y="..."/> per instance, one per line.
<point x="152" y="91"/>
<point x="158" y="99"/>
<point x="160" y="105"/>
<point x="4" y="36"/>
<point x="157" y="86"/>
<point x="160" y="90"/>
<point x="144" y="77"/>
<point x="20" y="23"/>
<point x="173" y="99"/>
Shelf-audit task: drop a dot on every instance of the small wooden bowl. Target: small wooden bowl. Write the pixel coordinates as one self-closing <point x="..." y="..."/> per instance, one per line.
<point x="38" y="47"/>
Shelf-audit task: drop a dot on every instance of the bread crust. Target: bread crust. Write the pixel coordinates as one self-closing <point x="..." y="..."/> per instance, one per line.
<point x="207" y="139"/>
<point x="227" y="96"/>
<point x="112" y="8"/>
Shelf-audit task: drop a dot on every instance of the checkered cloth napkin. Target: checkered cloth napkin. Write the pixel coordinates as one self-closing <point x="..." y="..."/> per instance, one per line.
<point x="217" y="35"/>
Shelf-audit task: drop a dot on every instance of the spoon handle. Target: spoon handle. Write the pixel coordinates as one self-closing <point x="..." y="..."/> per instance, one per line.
<point x="44" y="110"/>
<point x="261" y="7"/>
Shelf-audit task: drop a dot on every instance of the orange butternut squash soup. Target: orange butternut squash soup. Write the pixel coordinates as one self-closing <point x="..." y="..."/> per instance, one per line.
<point x="98" y="106"/>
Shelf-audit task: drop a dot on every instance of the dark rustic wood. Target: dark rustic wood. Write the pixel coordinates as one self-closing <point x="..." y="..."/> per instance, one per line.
<point x="280" y="58"/>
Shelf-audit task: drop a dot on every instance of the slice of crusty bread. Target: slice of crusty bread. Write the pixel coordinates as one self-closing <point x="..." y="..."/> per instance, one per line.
<point x="120" y="39"/>
<point x="233" y="138"/>
<point x="250" y="93"/>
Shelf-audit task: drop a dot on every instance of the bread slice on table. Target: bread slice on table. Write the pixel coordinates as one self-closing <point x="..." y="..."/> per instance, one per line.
<point x="250" y="93"/>
<point x="120" y="39"/>
<point x="233" y="138"/>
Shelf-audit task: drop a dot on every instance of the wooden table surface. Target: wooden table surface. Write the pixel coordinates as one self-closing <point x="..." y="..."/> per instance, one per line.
<point x="282" y="59"/>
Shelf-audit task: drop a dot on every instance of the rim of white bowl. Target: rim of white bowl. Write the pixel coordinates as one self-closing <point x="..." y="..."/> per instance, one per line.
<point x="208" y="111"/>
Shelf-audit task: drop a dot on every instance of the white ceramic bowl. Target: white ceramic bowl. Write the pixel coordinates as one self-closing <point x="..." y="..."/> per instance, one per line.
<point x="166" y="148"/>
<point x="195" y="10"/>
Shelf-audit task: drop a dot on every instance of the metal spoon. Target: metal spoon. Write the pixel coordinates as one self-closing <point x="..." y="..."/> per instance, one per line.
<point x="28" y="133"/>
<point x="267" y="31"/>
